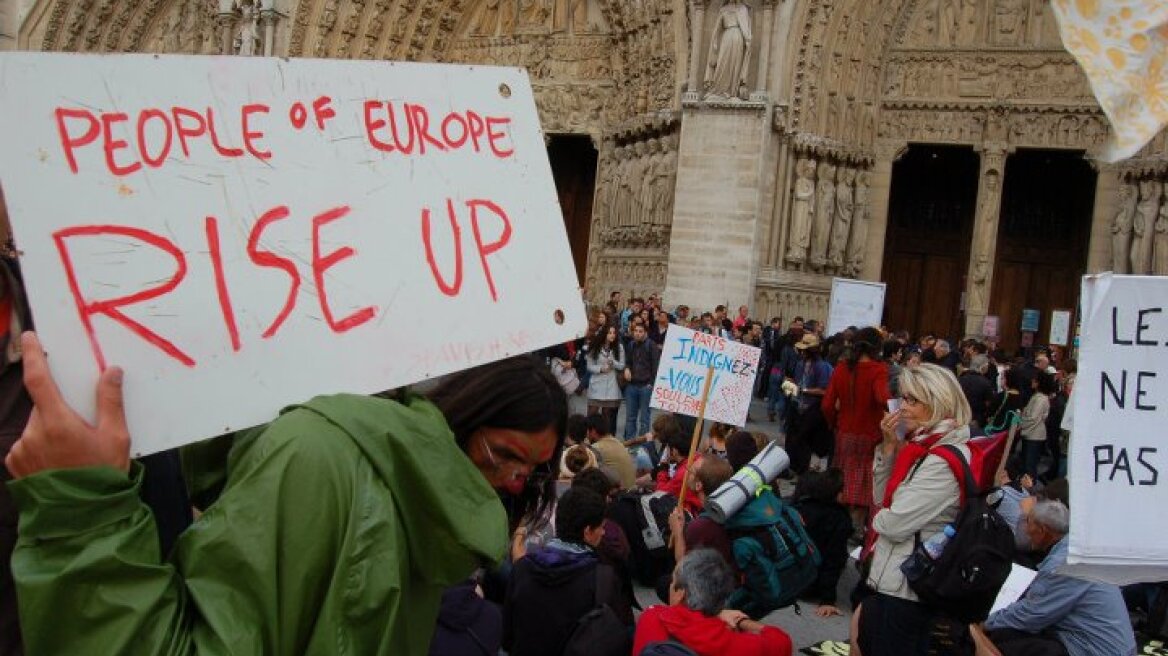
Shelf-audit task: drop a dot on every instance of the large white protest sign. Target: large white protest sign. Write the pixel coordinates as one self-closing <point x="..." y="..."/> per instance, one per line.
<point x="242" y="233"/>
<point x="854" y="303"/>
<point x="686" y="358"/>
<point x="1119" y="457"/>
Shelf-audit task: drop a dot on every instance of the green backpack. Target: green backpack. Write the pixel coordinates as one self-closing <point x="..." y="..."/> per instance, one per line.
<point x="777" y="558"/>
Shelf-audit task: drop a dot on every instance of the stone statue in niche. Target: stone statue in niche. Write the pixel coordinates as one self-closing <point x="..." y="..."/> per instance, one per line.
<point x="601" y="207"/>
<point x="858" y="242"/>
<point x="841" y="225"/>
<point x="967" y="23"/>
<point x="1009" y="22"/>
<point x="802" y="211"/>
<point x="570" y="14"/>
<point x="948" y="23"/>
<point x="652" y="159"/>
<point x="979" y="278"/>
<point x="1147" y="211"/>
<point x="729" y="52"/>
<point x="638" y="170"/>
<point x="824" y="213"/>
<point x="1160" y="255"/>
<point x="488" y="18"/>
<point x="532" y="13"/>
<point x="668" y="179"/>
<point x="247" y="43"/>
<point x="507" y="10"/>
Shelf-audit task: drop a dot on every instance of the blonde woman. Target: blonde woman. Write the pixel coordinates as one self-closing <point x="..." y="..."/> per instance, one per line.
<point x="915" y="493"/>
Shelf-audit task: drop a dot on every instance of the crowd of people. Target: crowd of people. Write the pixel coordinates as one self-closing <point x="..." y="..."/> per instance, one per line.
<point x="484" y="517"/>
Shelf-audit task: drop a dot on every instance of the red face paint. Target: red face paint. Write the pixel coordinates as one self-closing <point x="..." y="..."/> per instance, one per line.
<point x="515" y="485"/>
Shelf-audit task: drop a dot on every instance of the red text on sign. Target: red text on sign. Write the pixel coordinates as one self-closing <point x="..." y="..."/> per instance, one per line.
<point x="483" y="248"/>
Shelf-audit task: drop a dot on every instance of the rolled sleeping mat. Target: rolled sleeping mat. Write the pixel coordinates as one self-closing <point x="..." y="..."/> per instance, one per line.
<point x="732" y="495"/>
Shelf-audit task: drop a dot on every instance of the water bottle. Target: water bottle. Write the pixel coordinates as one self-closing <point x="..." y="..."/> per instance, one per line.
<point x="935" y="545"/>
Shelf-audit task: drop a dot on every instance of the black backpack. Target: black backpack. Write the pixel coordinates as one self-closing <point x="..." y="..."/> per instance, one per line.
<point x="964" y="581"/>
<point x="644" y="517"/>
<point x="600" y="632"/>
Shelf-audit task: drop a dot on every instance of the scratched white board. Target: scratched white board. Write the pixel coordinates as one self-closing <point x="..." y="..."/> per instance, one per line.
<point x="281" y="251"/>
<point x="855" y="303"/>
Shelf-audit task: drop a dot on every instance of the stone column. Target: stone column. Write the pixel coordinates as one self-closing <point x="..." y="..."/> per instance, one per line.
<point x="225" y="19"/>
<point x="1107" y="187"/>
<point x="268" y="18"/>
<point x="719" y="204"/>
<point x="698" y="11"/>
<point x="980" y="278"/>
<point x="764" y="54"/>
<point x="879" y="193"/>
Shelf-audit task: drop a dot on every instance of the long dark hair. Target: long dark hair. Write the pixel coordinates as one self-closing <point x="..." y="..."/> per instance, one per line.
<point x="600" y="339"/>
<point x="518" y="393"/>
<point x="866" y="342"/>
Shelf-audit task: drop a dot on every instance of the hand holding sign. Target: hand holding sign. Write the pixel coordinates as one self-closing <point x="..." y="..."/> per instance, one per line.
<point x="56" y="437"/>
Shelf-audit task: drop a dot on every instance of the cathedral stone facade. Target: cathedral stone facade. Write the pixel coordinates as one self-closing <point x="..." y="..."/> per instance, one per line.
<point x="750" y="151"/>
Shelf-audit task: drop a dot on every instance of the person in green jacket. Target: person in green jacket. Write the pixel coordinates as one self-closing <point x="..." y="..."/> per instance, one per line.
<point x="333" y="530"/>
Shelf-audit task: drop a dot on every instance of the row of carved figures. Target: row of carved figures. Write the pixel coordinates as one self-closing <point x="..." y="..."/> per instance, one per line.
<point x="829" y="217"/>
<point x="636" y="185"/>
<point x="1139" y="232"/>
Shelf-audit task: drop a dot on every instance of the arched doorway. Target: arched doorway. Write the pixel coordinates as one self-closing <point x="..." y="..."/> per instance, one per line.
<point x="573" y="160"/>
<point x="930" y="222"/>
<point x="1047" y="201"/>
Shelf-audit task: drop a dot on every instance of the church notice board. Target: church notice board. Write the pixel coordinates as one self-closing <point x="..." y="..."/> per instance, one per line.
<point x="686" y="358"/>
<point x="240" y="234"/>
<point x="1119" y="457"/>
<point x="855" y="303"/>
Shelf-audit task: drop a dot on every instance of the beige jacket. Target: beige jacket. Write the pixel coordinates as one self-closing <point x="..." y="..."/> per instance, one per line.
<point x="925" y="503"/>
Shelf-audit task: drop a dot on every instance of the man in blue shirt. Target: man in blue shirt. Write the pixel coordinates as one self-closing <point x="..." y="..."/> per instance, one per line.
<point x="1060" y="614"/>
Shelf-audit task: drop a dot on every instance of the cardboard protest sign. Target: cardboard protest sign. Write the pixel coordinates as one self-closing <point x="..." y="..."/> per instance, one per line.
<point x="855" y="303"/>
<point x="243" y="233"/>
<point x="1118" y="456"/>
<point x="685" y="361"/>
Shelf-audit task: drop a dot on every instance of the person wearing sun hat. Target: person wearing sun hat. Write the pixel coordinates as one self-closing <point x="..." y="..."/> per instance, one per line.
<point x="808" y="431"/>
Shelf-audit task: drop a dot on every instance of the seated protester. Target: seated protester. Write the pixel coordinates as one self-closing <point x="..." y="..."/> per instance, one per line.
<point x="575" y="460"/>
<point x="1015" y="485"/>
<point x="716" y="442"/>
<point x="670" y="479"/>
<point x="702" y="532"/>
<point x="611" y="452"/>
<point x="1060" y="614"/>
<point x="758" y="587"/>
<point x="614" y="548"/>
<point x="467" y="623"/>
<point x="701" y="584"/>
<point x="651" y="443"/>
<point x="554" y="586"/>
<point x="577" y="430"/>
<point x="614" y="545"/>
<point x="818" y="499"/>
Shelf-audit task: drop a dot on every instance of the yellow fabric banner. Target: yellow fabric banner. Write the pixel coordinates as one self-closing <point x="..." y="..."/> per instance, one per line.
<point x="1122" y="46"/>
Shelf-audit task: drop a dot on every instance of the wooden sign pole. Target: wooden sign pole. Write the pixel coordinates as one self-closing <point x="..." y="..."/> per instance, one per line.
<point x="697" y="436"/>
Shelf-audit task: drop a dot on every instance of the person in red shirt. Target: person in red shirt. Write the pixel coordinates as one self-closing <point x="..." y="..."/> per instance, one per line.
<point x="855" y="402"/>
<point x="678" y="447"/>
<point x="702" y="582"/>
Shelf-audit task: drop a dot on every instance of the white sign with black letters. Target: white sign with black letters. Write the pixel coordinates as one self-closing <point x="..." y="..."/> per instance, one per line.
<point x="1119" y="440"/>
